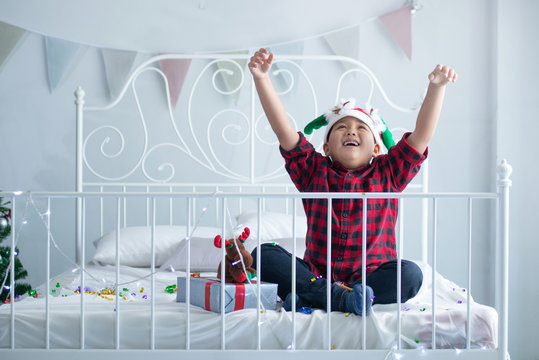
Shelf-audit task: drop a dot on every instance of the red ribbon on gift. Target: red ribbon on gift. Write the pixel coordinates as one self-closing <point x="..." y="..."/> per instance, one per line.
<point x="240" y="297"/>
<point x="239" y="303"/>
<point x="207" y="294"/>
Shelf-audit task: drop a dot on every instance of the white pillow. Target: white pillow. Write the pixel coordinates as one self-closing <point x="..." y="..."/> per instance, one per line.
<point x="205" y="256"/>
<point x="135" y="244"/>
<point x="274" y="225"/>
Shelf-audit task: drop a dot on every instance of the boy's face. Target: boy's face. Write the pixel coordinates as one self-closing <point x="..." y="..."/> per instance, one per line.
<point x="351" y="143"/>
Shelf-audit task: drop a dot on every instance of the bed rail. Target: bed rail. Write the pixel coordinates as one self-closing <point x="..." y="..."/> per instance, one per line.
<point x="501" y="197"/>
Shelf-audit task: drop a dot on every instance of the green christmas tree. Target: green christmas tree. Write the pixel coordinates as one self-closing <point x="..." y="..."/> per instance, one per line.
<point x="5" y="257"/>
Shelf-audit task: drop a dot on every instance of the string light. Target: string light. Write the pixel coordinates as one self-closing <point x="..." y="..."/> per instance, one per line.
<point x="30" y="200"/>
<point x="415" y="6"/>
<point x="172" y="269"/>
<point x="17" y="234"/>
<point x="391" y="352"/>
<point x="235" y="240"/>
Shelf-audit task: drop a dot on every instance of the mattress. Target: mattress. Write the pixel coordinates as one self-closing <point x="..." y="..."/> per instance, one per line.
<point x="240" y="326"/>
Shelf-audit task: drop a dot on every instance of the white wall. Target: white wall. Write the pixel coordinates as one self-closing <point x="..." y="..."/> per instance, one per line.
<point x="517" y="105"/>
<point x="495" y="58"/>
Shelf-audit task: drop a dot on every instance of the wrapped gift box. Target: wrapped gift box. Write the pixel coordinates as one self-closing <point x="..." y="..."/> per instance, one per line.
<point x="206" y="293"/>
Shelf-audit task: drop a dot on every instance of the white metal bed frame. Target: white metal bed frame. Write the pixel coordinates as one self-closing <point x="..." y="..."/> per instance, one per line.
<point x="81" y="195"/>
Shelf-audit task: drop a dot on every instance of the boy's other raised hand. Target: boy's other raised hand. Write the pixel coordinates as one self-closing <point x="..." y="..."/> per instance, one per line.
<point x="260" y="63"/>
<point x="442" y="75"/>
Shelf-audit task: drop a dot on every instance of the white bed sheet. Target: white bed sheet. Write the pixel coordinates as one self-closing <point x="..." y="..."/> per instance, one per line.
<point x="275" y="327"/>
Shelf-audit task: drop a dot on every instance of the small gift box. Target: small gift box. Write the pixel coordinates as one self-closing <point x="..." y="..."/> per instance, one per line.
<point x="206" y="293"/>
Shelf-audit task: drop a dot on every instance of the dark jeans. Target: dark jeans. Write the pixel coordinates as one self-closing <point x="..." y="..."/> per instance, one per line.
<point x="277" y="268"/>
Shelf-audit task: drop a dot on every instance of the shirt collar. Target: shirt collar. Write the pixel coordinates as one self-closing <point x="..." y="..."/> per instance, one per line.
<point x="337" y="166"/>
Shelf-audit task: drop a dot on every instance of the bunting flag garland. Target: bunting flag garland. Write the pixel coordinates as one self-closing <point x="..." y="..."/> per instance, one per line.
<point x="345" y="43"/>
<point x="175" y="71"/>
<point x="231" y="76"/>
<point x="10" y="38"/>
<point x="118" y="64"/>
<point x="399" y="25"/>
<point x="62" y="58"/>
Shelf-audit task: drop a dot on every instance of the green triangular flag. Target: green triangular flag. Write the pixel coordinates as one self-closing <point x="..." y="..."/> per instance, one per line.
<point x="10" y="38"/>
<point x="294" y="48"/>
<point x="231" y="75"/>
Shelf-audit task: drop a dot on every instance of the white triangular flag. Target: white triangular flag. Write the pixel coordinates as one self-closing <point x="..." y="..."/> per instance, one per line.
<point x="118" y="64"/>
<point x="345" y="43"/>
<point x="62" y="57"/>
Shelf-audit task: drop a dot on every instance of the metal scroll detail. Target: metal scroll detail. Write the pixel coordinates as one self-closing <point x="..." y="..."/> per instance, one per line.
<point x="219" y="127"/>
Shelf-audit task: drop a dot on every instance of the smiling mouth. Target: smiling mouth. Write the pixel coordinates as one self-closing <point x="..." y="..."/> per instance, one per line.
<point x="351" y="143"/>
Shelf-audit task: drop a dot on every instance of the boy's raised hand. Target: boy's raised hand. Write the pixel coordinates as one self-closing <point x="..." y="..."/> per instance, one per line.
<point x="428" y="116"/>
<point x="260" y="63"/>
<point x="442" y="75"/>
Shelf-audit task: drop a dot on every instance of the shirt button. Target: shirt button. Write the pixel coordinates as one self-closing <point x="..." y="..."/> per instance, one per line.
<point x="345" y="213"/>
<point x="348" y="175"/>
<point x="339" y="258"/>
<point x="344" y="235"/>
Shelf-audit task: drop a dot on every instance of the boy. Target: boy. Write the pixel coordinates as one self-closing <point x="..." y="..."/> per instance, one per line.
<point x="353" y="163"/>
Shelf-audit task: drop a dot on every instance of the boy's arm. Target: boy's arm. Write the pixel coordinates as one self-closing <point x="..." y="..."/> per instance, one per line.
<point x="427" y="119"/>
<point x="259" y="65"/>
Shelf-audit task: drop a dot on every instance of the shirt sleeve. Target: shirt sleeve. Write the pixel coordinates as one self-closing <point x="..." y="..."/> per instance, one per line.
<point x="301" y="162"/>
<point x="403" y="163"/>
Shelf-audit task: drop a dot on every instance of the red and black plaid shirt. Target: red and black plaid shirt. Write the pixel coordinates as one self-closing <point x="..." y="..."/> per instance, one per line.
<point x="312" y="172"/>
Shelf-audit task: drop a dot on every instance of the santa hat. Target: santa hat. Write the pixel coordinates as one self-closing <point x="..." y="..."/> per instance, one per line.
<point x="347" y="107"/>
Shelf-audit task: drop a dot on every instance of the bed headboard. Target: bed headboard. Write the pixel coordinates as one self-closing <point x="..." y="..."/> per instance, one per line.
<point x="216" y="138"/>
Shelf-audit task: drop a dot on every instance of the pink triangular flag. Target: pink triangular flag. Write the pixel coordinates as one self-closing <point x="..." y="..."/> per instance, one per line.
<point x="399" y="24"/>
<point x="175" y="70"/>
